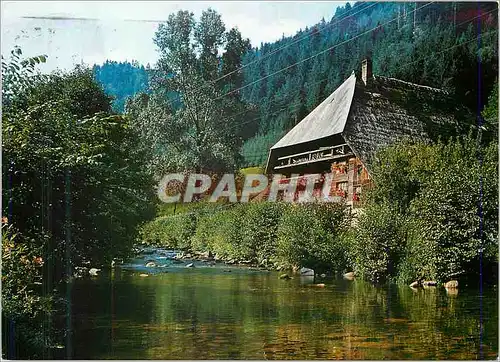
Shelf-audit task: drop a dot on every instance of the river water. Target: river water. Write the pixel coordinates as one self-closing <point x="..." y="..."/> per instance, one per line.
<point x="226" y="312"/>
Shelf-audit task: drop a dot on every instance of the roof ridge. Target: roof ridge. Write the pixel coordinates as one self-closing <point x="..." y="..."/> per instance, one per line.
<point x="414" y="85"/>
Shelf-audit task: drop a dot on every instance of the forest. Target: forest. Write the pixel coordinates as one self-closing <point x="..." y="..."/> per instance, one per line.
<point x="434" y="44"/>
<point x="83" y="150"/>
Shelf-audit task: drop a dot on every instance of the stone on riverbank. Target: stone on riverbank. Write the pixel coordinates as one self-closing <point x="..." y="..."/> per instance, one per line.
<point x="452" y="284"/>
<point x="321" y="285"/>
<point x="150" y="264"/>
<point x="93" y="271"/>
<point x="285" y="276"/>
<point x="190" y="265"/>
<point x="206" y="255"/>
<point x="349" y="276"/>
<point x="306" y="272"/>
<point x="451" y="292"/>
<point x="429" y="283"/>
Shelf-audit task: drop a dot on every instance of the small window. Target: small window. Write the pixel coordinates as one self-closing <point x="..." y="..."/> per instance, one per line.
<point x="342" y="186"/>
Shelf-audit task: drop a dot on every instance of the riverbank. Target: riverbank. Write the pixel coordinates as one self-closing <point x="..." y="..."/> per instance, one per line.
<point x="420" y="221"/>
<point x="207" y="313"/>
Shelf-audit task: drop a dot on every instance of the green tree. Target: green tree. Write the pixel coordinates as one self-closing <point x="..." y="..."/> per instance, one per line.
<point x="203" y="132"/>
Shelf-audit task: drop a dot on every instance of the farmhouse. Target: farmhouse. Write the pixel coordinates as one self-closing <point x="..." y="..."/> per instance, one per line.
<point x="343" y="133"/>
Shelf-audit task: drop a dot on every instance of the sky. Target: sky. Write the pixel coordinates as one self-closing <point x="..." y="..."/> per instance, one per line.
<point x="123" y="30"/>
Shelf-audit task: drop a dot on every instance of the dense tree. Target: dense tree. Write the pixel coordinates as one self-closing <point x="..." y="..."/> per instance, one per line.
<point x="202" y="131"/>
<point x="61" y="139"/>
<point x="435" y="44"/>
<point x="74" y="187"/>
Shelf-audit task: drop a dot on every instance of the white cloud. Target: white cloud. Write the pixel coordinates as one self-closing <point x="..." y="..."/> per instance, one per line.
<point x="72" y="41"/>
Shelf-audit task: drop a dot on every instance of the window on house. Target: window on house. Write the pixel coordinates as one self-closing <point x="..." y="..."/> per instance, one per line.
<point x="342" y="186"/>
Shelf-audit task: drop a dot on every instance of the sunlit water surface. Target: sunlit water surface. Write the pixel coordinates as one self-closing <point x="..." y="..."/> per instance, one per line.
<point x="223" y="312"/>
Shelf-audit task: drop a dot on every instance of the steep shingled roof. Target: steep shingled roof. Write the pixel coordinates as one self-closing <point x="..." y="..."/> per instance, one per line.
<point x="377" y="114"/>
<point x="389" y="109"/>
<point x="327" y="119"/>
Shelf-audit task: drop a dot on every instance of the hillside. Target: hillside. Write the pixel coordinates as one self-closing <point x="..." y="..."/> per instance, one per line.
<point x="121" y="80"/>
<point x="434" y="44"/>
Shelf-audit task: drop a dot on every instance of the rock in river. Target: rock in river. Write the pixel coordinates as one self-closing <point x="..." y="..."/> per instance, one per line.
<point x="429" y="283"/>
<point x="190" y="265"/>
<point x="452" y="284"/>
<point x="414" y="284"/>
<point x="349" y="276"/>
<point x="150" y="264"/>
<point x="94" y="271"/>
<point x="306" y="272"/>
<point x="285" y="276"/>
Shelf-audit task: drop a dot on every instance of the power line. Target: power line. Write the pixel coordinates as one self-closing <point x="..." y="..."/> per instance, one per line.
<point x="478" y="16"/>
<point x="315" y="55"/>
<point x="413" y="62"/>
<point x="321" y="52"/>
<point x="447" y="49"/>
<point x="274" y="101"/>
<point x="292" y="43"/>
<point x="324" y="51"/>
<point x="208" y="83"/>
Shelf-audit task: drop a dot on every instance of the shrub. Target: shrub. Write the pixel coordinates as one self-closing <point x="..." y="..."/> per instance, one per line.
<point x="458" y="210"/>
<point x="416" y="263"/>
<point x="23" y="305"/>
<point x="444" y="218"/>
<point x="311" y="236"/>
<point x="307" y="234"/>
<point x="174" y="231"/>
<point x="220" y="233"/>
<point x="379" y="243"/>
<point x="260" y="226"/>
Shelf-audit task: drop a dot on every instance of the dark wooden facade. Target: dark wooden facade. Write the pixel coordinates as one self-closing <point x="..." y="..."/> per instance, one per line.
<point x="342" y="135"/>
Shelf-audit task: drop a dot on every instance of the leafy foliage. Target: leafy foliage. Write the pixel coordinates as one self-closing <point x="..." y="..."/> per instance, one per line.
<point x="379" y="243"/>
<point x="24" y="308"/>
<point x="268" y="233"/>
<point x="17" y="73"/>
<point x="74" y="185"/>
<point x="309" y="235"/>
<point x="458" y="209"/>
<point x="444" y="219"/>
<point x="187" y="120"/>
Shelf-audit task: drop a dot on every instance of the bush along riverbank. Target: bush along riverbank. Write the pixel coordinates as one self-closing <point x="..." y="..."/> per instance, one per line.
<point x="271" y="235"/>
<point x="419" y="223"/>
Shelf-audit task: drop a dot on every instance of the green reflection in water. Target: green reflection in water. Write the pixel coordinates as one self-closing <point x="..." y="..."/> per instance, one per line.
<point x="207" y="313"/>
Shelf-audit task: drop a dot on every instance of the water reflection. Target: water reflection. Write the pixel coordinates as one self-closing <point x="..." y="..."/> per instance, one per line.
<point x="207" y="313"/>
